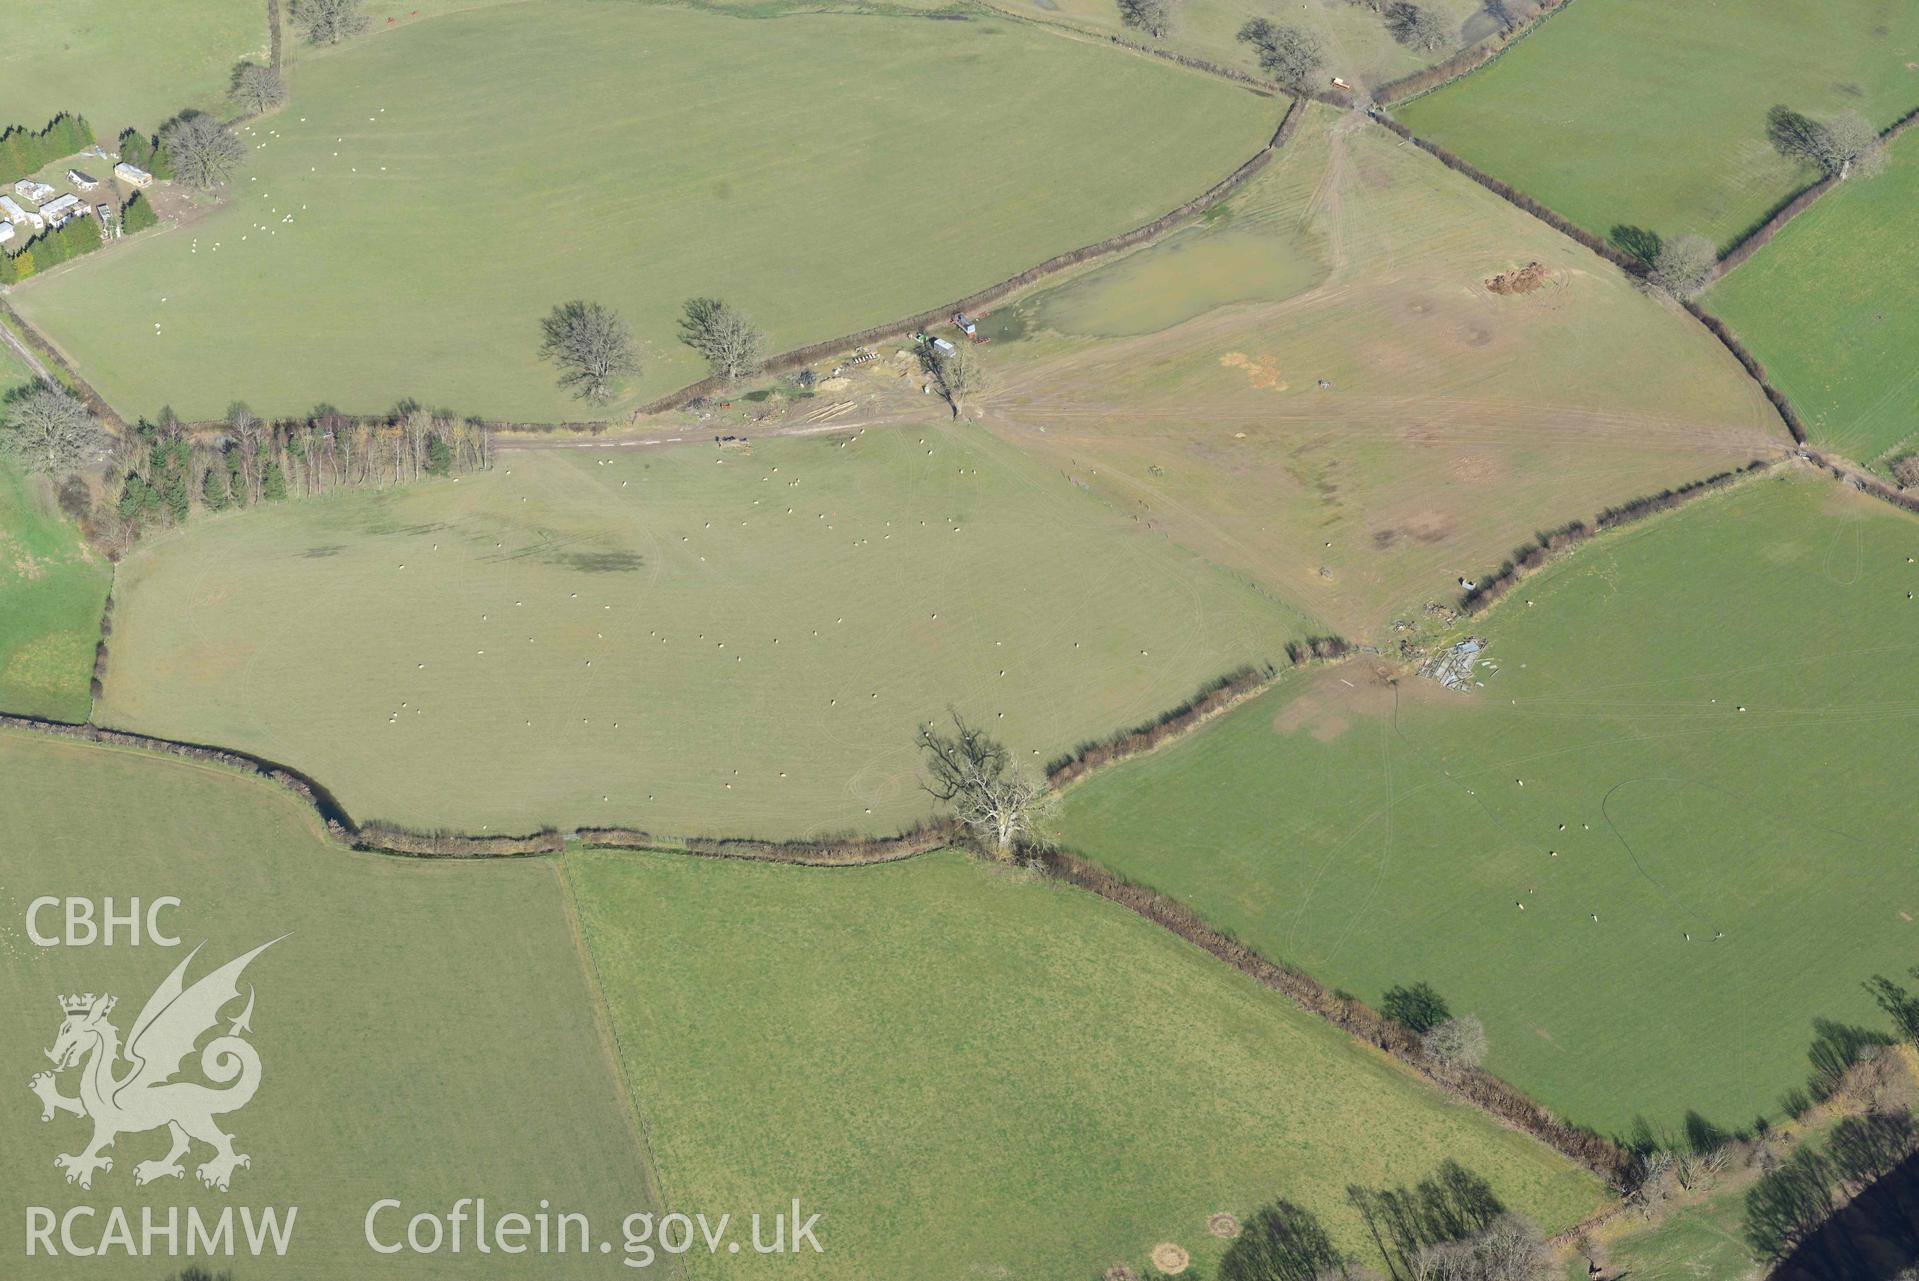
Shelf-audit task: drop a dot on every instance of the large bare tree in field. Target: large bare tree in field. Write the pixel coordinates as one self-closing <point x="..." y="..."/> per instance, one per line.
<point x="1842" y="146"/>
<point x="958" y="374"/>
<point x="719" y="332"/>
<point x="48" y="430"/>
<point x="592" y="347"/>
<point x="1154" y="17"/>
<point x="257" y="88"/>
<point x="1290" y="55"/>
<point x="329" y="21"/>
<point x="1684" y="265"/>
<point x="974" y="774"/>
<point x="204" y="152"/>
<point x="1416" y="26"/>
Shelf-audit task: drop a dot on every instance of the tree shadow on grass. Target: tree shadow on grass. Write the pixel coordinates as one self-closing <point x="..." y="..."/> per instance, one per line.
<point x="1641" y="242"/>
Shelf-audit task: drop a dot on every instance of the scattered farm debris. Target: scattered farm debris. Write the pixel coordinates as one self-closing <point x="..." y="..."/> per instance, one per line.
<point x="1453" y="667"/>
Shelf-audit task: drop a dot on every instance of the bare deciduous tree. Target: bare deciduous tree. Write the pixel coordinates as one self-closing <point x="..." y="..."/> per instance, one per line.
<point x="973" y="773"/>
<point x="256" y="88"/>
<point x="1853" y="147"/>
<point x="49" y="430"/>
<point x="956" y="373"/>
<point x="1290" y="55"/>
<point x="591" y="345"/>
<point x="1416" y="26"/>
<point x="329" y="21"/>
<point x="719" y="332"/>
<point x="204" y="152"/>
<point x="1456" y="1043"/>
<point x="1684" y="265"/>
<point x="248" y="433"/>
<point x="1842" y="146"/>
<point x="1154" y="17"/>
<point x="1509" y="1249"/>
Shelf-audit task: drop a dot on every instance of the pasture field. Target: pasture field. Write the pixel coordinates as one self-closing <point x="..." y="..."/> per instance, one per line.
<point x="687" y="640"/>
<point x="1649" y="853"/>
<point x="121" y="64"/>
<point x="426" y="1030"/>
<point x="1827" y="307"/>
<point x="1317" y="386"/>
<point x="973" y="1072"/>
<point x="1614" y="129"/>
<point x="52" y="588"/>
<point x="433" y="190"/>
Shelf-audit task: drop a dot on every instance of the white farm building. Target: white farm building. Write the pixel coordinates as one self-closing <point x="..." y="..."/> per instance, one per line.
<point x="132" y="175"/>
<point x="37" y="192"/>
<point x="57" y="212"/>
<point x="14" y="212"/>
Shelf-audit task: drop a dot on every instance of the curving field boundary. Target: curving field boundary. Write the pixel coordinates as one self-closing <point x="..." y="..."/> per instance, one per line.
<point x="375" y="837"/>
<point x="799" y="357"/>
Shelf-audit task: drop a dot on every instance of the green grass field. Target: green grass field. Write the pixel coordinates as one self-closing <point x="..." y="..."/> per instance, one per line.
<point x="1646" y="114"/>
<point x="976" y="1074"/>
<point x="1317" y="388"/>
<point x="434" y="190"/>
<point x="718" y="641"/>
<point x="1690" y="732"/>
<point x="120" y="64"/>
<point x="1827" y="307"/>
<point x="426" y="1030"/>
<point x="52" y="588"/>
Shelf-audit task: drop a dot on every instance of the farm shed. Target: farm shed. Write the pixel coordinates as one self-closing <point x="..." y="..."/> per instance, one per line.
<point x="132" y="175"/>
<point x="6" y="232"/>
<point x="15" y="213"/>
<point x="85" y="182"/>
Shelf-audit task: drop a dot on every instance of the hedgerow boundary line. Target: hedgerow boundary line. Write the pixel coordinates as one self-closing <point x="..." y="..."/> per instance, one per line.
<point x="1504" y="1102"/>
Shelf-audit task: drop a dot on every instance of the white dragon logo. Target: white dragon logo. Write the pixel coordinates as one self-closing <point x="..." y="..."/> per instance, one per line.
<point x="146" y="1097"/>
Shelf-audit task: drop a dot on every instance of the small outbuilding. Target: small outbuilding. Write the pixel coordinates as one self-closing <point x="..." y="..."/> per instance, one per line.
<point x="132" y="175"/>
<point x="37" y="192"/>
<point x="943" y="347"/>
<point x="6" y="232"/>
<point x="84" y="182"/>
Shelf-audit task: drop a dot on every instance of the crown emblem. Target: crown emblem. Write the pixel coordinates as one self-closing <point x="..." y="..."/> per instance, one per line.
<point x="80" y="1004"/>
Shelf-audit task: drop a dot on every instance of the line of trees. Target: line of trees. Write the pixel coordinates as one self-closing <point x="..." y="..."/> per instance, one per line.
<point x="165" y="470"/>
<point x="23" y="150"/>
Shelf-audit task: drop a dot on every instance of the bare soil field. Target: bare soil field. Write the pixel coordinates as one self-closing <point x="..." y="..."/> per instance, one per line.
<point x="1359" y="444"/>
